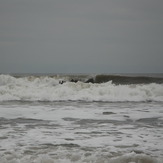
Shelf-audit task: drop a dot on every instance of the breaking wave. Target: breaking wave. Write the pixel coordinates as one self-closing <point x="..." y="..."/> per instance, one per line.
<point x="46" y="88"/>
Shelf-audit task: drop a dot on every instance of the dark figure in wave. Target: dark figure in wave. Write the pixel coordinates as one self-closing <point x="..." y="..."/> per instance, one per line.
<point x="76" y="80"/>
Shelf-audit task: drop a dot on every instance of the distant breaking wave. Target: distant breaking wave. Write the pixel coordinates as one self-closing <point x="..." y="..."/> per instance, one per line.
<point x="108" y="88"/>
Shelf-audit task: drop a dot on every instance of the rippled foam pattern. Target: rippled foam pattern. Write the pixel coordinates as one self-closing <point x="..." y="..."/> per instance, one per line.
<point x="81" y="158"/>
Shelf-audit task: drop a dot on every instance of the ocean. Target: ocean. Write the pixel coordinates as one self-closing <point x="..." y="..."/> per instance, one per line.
<point x="81" y="118"/>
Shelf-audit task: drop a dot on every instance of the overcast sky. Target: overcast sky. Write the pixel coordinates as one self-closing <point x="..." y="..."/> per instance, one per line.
<point x="81" y="36"/>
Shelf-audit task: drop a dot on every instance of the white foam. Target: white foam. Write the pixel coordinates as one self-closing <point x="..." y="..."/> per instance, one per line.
<point x="49" y="89"/>
<point x="31" y="130"/>
<point x="82" y="124"/>
<point x="80" y="158"/>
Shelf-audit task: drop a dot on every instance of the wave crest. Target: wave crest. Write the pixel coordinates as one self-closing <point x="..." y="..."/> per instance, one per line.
<point x="48" y="89"/>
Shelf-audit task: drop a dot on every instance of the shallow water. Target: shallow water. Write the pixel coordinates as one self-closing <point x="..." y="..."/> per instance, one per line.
<point x="67" y="131"/>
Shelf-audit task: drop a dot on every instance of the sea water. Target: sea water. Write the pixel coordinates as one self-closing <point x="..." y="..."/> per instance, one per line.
<point x="43" y="121"/>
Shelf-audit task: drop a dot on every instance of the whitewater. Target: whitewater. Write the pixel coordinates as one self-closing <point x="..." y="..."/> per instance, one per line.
<point x="81" y="119"/>
<point x="46" y="88"/>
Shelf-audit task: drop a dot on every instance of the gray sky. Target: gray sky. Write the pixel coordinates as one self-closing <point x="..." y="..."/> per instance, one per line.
<point x="81" y="36"/>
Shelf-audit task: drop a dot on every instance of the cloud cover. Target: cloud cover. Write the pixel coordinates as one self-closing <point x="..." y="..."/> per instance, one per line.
<point x="88" y="36"/>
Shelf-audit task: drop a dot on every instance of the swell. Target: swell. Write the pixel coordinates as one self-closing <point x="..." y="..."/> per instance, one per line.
<point x="98" y="78"/>
<point x="118" y="79"/>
